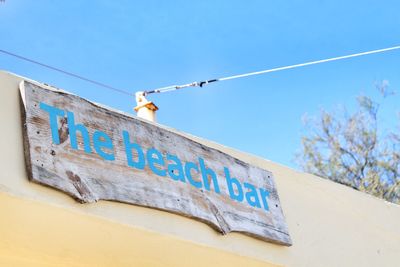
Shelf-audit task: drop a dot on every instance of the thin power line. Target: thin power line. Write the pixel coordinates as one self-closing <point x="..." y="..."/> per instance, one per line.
<point x="202" y="83"/>
<point x="67" y="73"/>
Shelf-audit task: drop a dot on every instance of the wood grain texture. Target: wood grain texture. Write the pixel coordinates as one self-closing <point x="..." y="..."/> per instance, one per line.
<point x="88" y="178"/>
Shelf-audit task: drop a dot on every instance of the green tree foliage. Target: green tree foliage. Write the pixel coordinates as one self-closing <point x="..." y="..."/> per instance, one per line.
<point x="349" y="149"/>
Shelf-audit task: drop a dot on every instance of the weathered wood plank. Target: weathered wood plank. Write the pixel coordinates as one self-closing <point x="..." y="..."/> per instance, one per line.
<point x="175" y="180"/>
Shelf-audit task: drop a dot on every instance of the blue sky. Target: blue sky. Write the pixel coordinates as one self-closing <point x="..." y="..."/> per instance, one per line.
<point x="137" y="45"/>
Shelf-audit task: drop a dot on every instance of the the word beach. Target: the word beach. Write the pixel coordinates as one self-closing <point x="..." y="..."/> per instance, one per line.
<point x="93" y="153"/>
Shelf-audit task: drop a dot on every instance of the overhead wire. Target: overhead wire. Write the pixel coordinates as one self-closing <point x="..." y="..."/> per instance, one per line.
<point x="202" y="83"/>
<point x="198" y="83"/>
<point x="67" y="73"/>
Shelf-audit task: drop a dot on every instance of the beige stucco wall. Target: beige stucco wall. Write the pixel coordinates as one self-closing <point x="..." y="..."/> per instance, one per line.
<point x="330" y="225"/>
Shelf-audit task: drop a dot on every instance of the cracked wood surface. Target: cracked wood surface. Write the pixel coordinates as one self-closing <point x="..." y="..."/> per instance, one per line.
<point x="88" y="178"/>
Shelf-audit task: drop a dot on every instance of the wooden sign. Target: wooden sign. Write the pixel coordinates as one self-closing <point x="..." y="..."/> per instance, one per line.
<point x="93" y="153"/>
